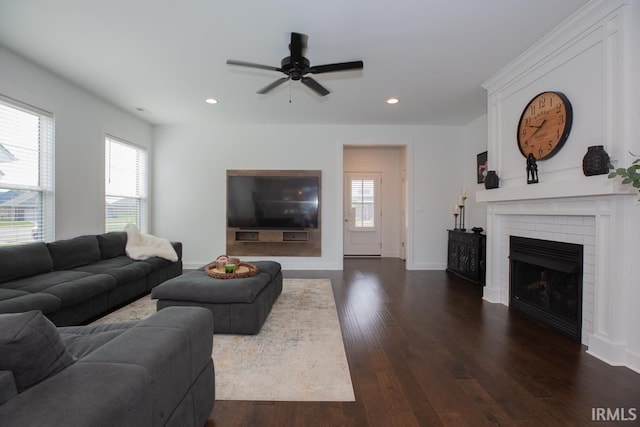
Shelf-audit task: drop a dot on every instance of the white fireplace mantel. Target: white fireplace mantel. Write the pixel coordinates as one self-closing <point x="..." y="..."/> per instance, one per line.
<point x="597" y="222"/>
<point x="597" y="185"/>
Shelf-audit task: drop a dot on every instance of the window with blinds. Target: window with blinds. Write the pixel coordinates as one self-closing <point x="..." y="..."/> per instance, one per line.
<point x="26" y="173"/>
<point x="125" y="184"/>
<point x="363" y="202"/>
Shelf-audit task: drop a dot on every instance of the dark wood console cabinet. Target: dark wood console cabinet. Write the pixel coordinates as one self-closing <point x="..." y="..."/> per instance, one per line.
<point x="306" y="242"/>
<point x="466" y="255"/>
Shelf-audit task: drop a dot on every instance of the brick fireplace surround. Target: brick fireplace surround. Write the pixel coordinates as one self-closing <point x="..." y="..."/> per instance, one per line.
<point x="595" y="221"/>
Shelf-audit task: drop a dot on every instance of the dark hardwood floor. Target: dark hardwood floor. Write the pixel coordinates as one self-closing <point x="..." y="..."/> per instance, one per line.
<point x="424" y="349"/>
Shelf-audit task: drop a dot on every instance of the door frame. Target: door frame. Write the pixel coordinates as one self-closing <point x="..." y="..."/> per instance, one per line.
<point x="406" y="147"/>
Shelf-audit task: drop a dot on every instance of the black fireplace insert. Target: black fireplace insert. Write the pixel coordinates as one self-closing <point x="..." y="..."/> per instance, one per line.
<point x="546" y="282"/>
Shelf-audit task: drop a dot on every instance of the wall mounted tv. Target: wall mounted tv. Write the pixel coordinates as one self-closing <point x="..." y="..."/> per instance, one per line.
<point x="270" y="199"/>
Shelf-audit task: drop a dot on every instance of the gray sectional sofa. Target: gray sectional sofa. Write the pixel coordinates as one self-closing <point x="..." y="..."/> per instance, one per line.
<point x="75" y="280"/>
<point x="153" y="372"/>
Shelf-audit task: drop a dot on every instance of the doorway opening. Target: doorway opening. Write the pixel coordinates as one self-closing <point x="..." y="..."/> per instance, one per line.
<point x="374" y="205"/>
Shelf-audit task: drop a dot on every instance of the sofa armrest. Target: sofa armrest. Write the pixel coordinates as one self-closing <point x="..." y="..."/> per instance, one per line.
<point x="173" y="346"/>
<point x="137" y="379"/>
<point x="85" y="394"/>
<point x="8" y="388"/>
<point x="177" y="246"/>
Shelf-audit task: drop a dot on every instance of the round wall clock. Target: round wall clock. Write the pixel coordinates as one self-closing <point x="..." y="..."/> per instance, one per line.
<point x="544" y="125"/>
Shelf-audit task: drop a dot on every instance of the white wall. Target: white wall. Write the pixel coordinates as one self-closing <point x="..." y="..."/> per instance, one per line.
<point x="81" y="122"/>
<point x="475" y="140"/>
<point x="189" y="178"/>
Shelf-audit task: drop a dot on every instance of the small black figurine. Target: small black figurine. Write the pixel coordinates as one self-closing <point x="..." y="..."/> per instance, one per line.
<point x="532" y="169"/>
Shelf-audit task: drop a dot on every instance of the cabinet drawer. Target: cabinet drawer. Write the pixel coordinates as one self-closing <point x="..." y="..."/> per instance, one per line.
<point x="462" y="237"/>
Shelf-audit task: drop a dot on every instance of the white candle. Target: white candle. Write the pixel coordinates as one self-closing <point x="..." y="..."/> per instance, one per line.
<point x="465" y="192"/>
<point x="456" y="210"/>
<point x="460" y="201"/>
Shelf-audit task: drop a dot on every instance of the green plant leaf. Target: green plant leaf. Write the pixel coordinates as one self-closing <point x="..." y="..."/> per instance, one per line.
<point x="636" y="184"/>
<point x="627" y="181"/>
<point x="621" y="171"/>
<point x="612" y="175"/>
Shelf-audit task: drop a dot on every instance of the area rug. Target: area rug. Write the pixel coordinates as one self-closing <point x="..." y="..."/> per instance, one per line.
<point x="297" y="356"/>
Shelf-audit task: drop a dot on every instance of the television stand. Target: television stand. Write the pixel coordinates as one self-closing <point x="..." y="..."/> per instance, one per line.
<point x="272" y="228"/>
<point x="282" y="242"/>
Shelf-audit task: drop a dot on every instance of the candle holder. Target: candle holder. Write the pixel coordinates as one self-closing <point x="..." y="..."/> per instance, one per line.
<point x="455" y="221"/>
<point x="462" y="218"/>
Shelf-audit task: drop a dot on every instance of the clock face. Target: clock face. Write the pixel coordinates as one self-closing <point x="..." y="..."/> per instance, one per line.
<point x="544" y="125"/>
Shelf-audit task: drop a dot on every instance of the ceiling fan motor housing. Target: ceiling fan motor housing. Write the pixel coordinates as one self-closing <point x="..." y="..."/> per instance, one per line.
<point x="295" y="67"/>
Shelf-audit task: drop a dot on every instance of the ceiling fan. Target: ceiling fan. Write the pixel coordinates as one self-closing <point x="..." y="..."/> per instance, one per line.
<point x="296" y="67"/>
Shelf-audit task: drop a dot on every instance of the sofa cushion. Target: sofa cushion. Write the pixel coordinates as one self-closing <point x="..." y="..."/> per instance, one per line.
<point x="122" y="268"/>
<point x="75" y="292"/>
<point x="31" y="348"/>
<point x="71" y="253"/>
<point x="66" y="288"/>
<point x="83" y="340"/>
<point x="41" y="282"/>
<point x="8" y="388"/>
<point x="17" y="301"/>
<point x="112" y="244"/>
<point x="21" y="261"/>
<point x="85" y="394"/>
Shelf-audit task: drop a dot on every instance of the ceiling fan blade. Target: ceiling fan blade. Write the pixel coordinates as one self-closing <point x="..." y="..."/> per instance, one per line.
<point x="298" y="45"/>
<point x="252" y="65"/>
<point x="273" y="85"/>
<point x="315" y="86"/>
<point x="341" y="66"/>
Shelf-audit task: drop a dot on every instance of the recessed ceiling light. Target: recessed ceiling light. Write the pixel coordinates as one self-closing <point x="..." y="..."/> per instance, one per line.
<point x="392" y="101"/>
<point x="211" y="101"/>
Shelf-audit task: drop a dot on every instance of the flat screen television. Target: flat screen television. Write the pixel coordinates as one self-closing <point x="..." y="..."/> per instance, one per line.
<point x="271" y="200"/>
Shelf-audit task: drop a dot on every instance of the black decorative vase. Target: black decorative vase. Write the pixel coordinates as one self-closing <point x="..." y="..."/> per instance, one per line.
<point x="596" y="161"/>
<point x="491" y="180"/>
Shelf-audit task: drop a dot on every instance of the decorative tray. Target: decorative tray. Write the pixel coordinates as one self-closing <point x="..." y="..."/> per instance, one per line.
<point x="243" y="269"/>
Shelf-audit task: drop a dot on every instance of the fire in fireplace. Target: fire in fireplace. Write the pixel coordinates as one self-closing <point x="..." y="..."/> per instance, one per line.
<point x="546" y="282"/>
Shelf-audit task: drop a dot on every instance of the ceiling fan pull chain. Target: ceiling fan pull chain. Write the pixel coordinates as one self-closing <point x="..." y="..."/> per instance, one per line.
<point x="289" y="91"/>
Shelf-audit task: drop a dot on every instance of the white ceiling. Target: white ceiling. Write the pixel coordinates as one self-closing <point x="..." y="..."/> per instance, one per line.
<point x="167" y="56"/>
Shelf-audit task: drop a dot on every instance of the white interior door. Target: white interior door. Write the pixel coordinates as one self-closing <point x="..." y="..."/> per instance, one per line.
<point x="362" y="214"/>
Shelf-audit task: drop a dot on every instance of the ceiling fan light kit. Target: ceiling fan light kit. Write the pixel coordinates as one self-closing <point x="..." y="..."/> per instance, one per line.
<point x="296" y="67"/>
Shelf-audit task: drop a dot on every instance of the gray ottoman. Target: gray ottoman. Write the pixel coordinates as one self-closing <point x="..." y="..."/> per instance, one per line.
<point x="239" y="306"/>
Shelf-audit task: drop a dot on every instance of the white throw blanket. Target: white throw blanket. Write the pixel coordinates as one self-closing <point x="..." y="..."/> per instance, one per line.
<point x="143" y="246"/>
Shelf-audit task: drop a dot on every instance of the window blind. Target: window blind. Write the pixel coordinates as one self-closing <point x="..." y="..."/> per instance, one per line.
<point x="125" y="184"/>
<point x="363" y="201"/>
<point x="26" y="173"/>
